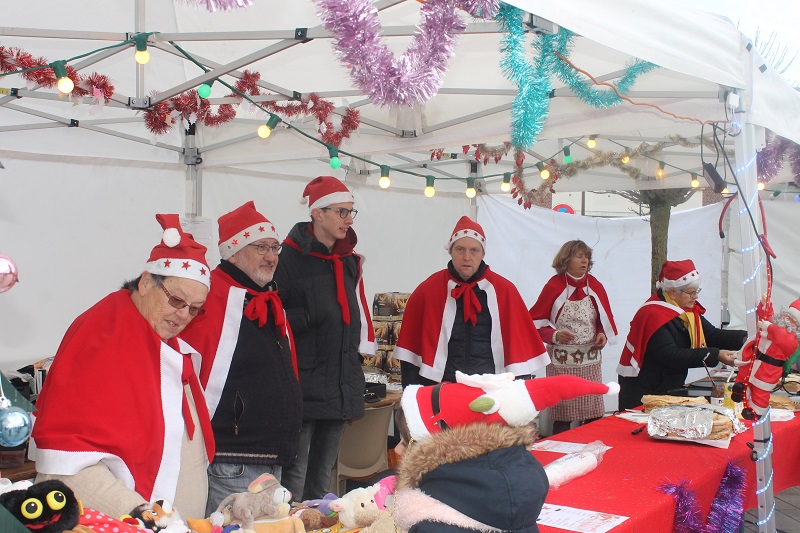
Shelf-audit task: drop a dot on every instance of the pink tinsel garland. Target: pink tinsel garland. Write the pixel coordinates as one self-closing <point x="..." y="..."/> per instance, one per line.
<point x="416" y="75"/>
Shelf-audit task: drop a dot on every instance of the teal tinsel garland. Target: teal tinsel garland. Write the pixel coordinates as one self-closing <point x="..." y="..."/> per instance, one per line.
<point x="534" y="82"/>
<point x="585" y="90"/>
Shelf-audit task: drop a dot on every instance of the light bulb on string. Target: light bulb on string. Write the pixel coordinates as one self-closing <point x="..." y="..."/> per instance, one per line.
<point x="660" y="171"/>
<point x="142" y="56"/>
<point x="506" y="185"/>
<point x="429" y="190"/>
<point x="761" y="185"/>
<point x="265" y="130"/>
<point x="204" y="90"/>
<point x="625" y="159"/>
<point x="695" y="181"/>
<point x="471" y="192"/>
<point x="724" y="191"/>
<point x="567" y="155"/>
<point x="543" y="172"/>
<point x="64" y="83"/>
<point x="384" y="182"/>
<point x="333" y="153"/>
<point x="592" y="142"/>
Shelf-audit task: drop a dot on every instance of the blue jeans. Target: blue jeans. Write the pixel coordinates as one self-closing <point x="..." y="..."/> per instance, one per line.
<point x="309" y="477"/>
<point x="225" y="479"/>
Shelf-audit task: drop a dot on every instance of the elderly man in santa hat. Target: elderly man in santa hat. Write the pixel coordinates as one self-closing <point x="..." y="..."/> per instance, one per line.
<point x="320" y="283"/>
<point x="249" y="370"/>
<point x="121" y="418"/>
<point x="669" y="335"/>
<point x="467" y="318"/>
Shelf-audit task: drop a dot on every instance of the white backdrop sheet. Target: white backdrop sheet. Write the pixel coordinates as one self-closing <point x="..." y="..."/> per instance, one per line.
<point x="521" y="245"/>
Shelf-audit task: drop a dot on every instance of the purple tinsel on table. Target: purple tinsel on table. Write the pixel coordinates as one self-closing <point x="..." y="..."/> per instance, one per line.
<point x="416" y="76"/>
<point x="726" y="511"/>
<point x="687" y="514"/>
<point x="224" y="5"/>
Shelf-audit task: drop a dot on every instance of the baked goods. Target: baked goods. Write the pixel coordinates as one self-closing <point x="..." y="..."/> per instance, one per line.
<point x="778" y="401"/>
<point x="654" y="401"/>
<point x="722" y="427"/>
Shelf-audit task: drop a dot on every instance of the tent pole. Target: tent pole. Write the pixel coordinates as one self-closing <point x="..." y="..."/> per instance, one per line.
<point x="139" y="28"/>
<point x="751" y="262"/>
<point x="194" y="181"/>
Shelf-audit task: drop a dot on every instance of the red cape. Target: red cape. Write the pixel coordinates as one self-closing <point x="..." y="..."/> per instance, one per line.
<point x="428" y="322"/>
<point x="114" y="385"/>
<point x="216" y="333"/>
<point x="653" y="314"/>
<point x="554" y="295"/>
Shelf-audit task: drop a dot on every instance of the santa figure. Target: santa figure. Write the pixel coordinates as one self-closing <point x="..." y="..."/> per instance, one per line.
<point x="763" y="358"/>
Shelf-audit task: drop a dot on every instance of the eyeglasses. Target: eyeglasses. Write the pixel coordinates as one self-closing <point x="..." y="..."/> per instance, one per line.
<point x="177" y="303"/>
<point x="343" y="213"/>
<point x="693" y="294"/>
<point x="262" y="249"/>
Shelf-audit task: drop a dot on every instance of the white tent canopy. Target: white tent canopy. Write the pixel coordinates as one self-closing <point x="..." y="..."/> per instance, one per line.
<point x="78" y="202"/>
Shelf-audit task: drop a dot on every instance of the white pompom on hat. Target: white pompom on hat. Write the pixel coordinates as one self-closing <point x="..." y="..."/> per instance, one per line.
<point x="242" y="226"/>
<point x="178" y="254"/>
<point x="794" y="311"/>
<point x="323" y="191"/>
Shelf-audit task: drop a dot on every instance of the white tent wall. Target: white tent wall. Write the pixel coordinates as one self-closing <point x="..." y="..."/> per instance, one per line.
<point x="76" y="231"/>
<point x="521" y="246"/>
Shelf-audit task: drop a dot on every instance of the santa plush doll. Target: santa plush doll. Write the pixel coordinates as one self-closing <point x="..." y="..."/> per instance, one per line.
<point x="762" y="359"/>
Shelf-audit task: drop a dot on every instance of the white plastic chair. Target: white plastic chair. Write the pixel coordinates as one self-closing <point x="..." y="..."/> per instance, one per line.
<point x="363" y="451"/>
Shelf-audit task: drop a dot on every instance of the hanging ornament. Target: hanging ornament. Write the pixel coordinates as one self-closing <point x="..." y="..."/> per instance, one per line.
<point x="8" y="273"/>
<point x="15" y="423"/>
<point x="769" y="161"/>
<point x="414" y="77"/>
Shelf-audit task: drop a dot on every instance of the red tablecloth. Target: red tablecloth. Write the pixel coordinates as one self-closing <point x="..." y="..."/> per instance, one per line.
<point x="626" y="481"/>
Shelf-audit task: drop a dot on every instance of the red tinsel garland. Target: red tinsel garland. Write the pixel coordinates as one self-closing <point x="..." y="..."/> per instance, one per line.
<point x="14" y="59"/>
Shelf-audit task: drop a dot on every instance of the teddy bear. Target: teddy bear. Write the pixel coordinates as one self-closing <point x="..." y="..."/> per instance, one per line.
<point x="323" y="504"/>
<point x="313" y="518"/>
<point x="354" y="502"/>
<point x="265" y="498"/>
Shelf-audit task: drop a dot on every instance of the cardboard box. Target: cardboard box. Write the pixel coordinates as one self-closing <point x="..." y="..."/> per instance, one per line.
<point x="384" y="333"/>
<point x="389" y="304"/>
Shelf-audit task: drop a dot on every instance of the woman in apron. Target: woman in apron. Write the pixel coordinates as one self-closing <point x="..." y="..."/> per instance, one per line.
<point x="573" y="317"/>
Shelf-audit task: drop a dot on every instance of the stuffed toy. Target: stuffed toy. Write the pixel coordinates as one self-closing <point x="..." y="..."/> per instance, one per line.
<point x="314" y="519"/>
<point x="158" y="517"/>
<point x="323" y="504"/>
<point x="761" y="361"/>
<point x="352" y="503"/>
<point x="376" y="521"/>
<point x="213" y="524"/>
<point x="51" y="507"/>
<point x="385" y="493"/>
<point x="265" y="498"/>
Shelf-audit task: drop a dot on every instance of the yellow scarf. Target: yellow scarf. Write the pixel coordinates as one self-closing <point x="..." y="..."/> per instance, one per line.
<point x="690" y="319"/>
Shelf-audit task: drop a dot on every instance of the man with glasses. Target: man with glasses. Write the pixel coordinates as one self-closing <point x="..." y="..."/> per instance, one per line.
<point x="248" y="369"/>
<point x="669" y="335"/>
<point x="467" y="318"/>
<point x="319" y="280"/>
<point x="121" y="418"/>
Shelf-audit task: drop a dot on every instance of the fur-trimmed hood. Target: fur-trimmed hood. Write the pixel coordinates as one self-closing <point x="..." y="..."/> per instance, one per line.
<point x="479" y="477"/>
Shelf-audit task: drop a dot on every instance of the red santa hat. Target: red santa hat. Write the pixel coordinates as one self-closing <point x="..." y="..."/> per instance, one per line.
<point x="323" y="191"/>
<point x="677" y="274"/>
<point x="491" y="398"/>
<point x="178" y="254"/>
<point x="466" y="227"/>
<point x="794" y="311"/>
<point x="242" y="226"/>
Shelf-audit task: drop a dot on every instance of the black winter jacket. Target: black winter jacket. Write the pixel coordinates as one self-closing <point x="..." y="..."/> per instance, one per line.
<point x="669" y="356"/>
<point x="259" y="414"/>
<point x="327" y="349"/>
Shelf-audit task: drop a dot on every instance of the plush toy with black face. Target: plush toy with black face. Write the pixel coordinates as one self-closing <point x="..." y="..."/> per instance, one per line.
<point x="46" y="507"/>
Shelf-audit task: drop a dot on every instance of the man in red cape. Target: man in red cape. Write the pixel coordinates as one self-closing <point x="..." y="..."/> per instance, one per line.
<point x="121" y="418"/>
<point x="249" y="367"/>
<point x="467" y="318"/>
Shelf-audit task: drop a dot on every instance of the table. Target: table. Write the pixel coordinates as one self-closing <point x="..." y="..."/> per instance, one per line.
<point x="626" y="481"/>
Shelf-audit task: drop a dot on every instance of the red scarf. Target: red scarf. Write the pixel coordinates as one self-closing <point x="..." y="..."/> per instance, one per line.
<point x="472" y="306"/>
<point x="113" y="377"/>
<point x="257" y="309"/>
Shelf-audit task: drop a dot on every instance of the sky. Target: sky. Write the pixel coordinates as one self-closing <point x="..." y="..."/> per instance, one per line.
<point x="778" y="18"/>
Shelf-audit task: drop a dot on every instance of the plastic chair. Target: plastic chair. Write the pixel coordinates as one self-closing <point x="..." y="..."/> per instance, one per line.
<point x="363" y="451"/>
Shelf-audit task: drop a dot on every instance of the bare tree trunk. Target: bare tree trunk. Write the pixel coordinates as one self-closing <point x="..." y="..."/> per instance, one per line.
<point x="659" y="230"/>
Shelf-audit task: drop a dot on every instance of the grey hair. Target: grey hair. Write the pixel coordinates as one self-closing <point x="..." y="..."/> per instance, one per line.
<point x="133" y="284"/>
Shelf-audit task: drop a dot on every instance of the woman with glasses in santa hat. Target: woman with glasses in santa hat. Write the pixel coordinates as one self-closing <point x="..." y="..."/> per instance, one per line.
<point x="669" y="335"/>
